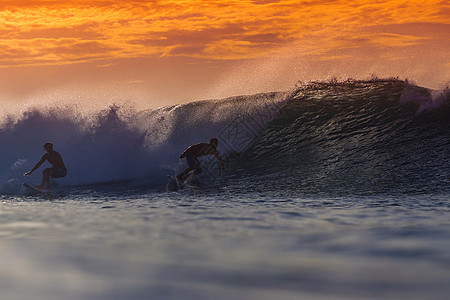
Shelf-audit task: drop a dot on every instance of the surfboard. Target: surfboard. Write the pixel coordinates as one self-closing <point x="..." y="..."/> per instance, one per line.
<point x="173" y="184"/>
<point x="33" y="188"/>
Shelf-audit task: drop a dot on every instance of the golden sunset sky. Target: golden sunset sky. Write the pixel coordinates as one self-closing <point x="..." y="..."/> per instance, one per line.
<point x="163" y="52"/>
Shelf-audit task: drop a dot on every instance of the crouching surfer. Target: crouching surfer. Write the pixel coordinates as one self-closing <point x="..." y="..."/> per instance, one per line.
<point x="57" y="170"/>
<point x="195" y="151"/>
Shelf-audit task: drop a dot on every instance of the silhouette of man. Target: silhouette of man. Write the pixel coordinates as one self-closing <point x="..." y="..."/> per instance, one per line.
<point x="198" y="150"/>
<point x="57" y="170"/>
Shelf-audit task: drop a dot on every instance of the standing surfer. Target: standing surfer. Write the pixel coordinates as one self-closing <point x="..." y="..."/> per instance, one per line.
<point x="198" y="150"/>
<point x="57" y="170"/>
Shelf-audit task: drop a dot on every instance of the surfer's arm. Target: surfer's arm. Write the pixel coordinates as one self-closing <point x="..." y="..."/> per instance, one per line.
<point x="185" y="152"/>
<point x="37" y="165"/>
<point x="219" y="159"/>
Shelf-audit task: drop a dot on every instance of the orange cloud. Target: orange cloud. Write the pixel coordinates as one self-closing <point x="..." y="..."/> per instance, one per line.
<point x="65" y="32"/>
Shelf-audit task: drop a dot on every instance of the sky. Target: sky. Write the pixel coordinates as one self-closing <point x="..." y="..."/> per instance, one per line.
<point x="156" y="53"/>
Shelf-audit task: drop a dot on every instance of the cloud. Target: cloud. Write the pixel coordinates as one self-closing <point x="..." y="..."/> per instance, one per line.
<point x="64" y="32"/>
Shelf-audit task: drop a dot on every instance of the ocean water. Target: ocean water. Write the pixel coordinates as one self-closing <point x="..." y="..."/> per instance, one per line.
<point x="334" y="190"/>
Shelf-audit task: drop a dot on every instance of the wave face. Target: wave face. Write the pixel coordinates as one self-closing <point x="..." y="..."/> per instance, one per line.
<point x="380" y="136"/>
<point x="377" y="136"/>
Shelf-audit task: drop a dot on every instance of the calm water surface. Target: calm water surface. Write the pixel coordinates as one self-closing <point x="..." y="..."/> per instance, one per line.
<point x="87" y="244"/>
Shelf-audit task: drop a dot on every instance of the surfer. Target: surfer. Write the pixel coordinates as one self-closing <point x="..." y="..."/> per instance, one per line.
<point x="57" y="170"/>
<point x="198" y="150"/>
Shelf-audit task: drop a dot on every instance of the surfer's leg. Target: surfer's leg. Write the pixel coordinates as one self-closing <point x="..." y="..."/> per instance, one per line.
<point x="45" y="179"/>
<point x="193" y="165"/>
<point x="180" y="176"/>
<point x="198" y="170"/>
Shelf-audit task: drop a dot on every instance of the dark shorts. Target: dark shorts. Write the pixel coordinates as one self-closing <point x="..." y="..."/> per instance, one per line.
<point x="58" y="173"/>
<point x="191" y="160"/>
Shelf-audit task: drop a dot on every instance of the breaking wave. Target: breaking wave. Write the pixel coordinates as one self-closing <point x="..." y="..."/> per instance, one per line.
<point x="336" y="137"/>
